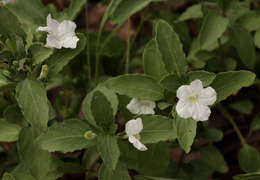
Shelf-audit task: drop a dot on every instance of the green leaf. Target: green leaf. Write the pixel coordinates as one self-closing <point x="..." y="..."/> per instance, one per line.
<point x="244" y="106"/>
<point x="257" y="39"/>
<point x="186" y="132"/>
<point x="72" y="11"/>
<point x="171" y="48"/>
<point x="206" y="77"/>
<point x="86" y="105"/>
<point x="62" y="57"/>
<point x="40" y="53"/>
<point x="8" y="176"/>
<point x="136" y="86"/>
<point x="109" y="150"/>
<point x="255" y="124"/>
<point x="157" y="128"/>
<point x="211" y="134"/>
<point x="29" y="12"/>
<point x="244" y="43"/>
<point x="9" y="24"/>
<point x="171" y="83"/>
<point x="9" y="132"/>
<point x="32" y="99"/>
<point x="250" y="20"/>
<point x="249" y="158"/>
<point x="152" y="178"/>
<point x="212" y="28"/>
<point x="193" y="12"/>
<point x="229" y="82"/>
<point x="120" y="173"/>
<point x="153" y="63"/>
<point x="126" y="8"/>
<point x="102" y="111"/>
<point x="248" y="176"/>
<point x="66" y="137"/>
<point x="17" y="176"/>
<point x="4" y="81"/>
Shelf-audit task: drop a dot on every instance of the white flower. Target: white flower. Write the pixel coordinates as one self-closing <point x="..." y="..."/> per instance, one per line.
<point x="194" y="101"/>
<point x="133" y="128"/>
<point x="8" y="1"/>
<point x="60" y="34"/>
<point x="141" y="106"/>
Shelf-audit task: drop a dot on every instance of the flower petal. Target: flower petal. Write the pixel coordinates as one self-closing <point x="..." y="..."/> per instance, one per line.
<point x="207" y="96"/>
<point x="184" y="109"/>
<point x="146" y="110"/>
<point x="196" y="86"/>
<point x="133" y="106"/>
<point x="52" y="24"/>
<point x="67" y="28"/>
<point x="200" y="112"/>
<point x="70" y="42"/>
<point x="137" y="144"/>
<point x="52" y="42"/>
<point x="133" y="127"/>
<point x="184" y="92"/>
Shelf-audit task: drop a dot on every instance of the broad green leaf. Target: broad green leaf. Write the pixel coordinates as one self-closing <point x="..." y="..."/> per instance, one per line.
<point x="86" y="105"/>
<point x="62" y="57"/>
<point x="126" y="8"/>
<point x="244" y="106"/>
<point x="40" y="53"/>
<point x="243" y="41"/>
<point x="155" y="158"/>
<point x="66" y="137"/>
<point x="206" y="77"/>
<point x="136" y="86"/>
<point x="171" y="48"/>
<point x="212" y="29"/>
<point x="248" y="176"/>
<point x="109" y="150"/>
<point x="171" y="83"/>
<point x="193" y="12"/>
<point x="13" y="114"/>
<point x="255" y="124"/>
<point x="237" y="9"/>
<point x="249" y="158"/>
<point x="153" y="63"/>
<point x="102" y="111"/>
<point x="211" y="134"/>
<point x="250" y="20"/>
<point x="32" y="99"/>
<point x="29" y="11"/>
<point x="72" y="11"/>
<point x="229" y="82"/>
<point x="186" y="132"/>
<point x="35" y="161"/>
<point x="9" y="24"/>
<point x="157" y="128"/>
<point x="120" y="173"/>
<point x="257" y="39"/>
<point x="9" y="132"/>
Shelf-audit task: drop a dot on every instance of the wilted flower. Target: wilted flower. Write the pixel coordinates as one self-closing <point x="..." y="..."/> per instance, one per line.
<point x="133" y="128"/>
<point x="60" y="34"/>
<point x="194" y="101"/>
<point x="137" y="106"/>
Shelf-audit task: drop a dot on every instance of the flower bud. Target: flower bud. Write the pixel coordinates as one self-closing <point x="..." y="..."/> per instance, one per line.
<point x="44" y="71"/>
<point x="89" y="135"/>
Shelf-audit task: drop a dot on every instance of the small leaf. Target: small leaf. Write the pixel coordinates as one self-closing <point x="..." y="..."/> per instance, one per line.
<point x="66" y="137"/>
<point x="40" y="53"/>
<point x="212" y="28"/>
<point x="32" y="99"/>
<point x="244" y="106"/>
<point x="248" y="176"/>
<point x="62" y="57"/>
<point x="249" y="158"/>
<point x="257" y="39"/>
<point x="136" y="86"/>
<point x="250" y="20"/>
<point x="186" y="132"/>
<point x="227" y="83"/>
<point x="255" y="124"/>
<point x="193" y="12"/>
<point x="157" y="128"/>
<point x="171" y="48"/>
<point x="9" y="132"/>
<point x="171" y="83"/>
<point x="109" y="150"/>
<point x="206" y="77"/>
<point x="244" y="43"/>
<point x="153" y="63"/>
<point x="211" y="134"/>
<point x="120" y="173"/>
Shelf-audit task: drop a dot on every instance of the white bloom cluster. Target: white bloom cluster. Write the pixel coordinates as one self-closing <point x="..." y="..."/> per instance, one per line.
<point x="60" y="34"/>
<point x="193" y="103"/>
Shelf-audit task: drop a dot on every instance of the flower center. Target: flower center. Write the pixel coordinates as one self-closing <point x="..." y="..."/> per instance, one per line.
<point x="147" y="104"/>
<point x="193" y="98"/>
<point x="137" y="136"/>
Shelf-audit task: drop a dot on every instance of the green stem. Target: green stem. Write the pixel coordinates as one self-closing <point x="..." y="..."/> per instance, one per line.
<point x="128" y="48"/>
<point x="229" y="117"/>
<point x="87" y="48"/>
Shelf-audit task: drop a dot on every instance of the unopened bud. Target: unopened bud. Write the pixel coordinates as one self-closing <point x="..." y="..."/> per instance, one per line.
<point x="89" y="135"/>
<point x="7" y="73"/>
<point x="44" y="71"/>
